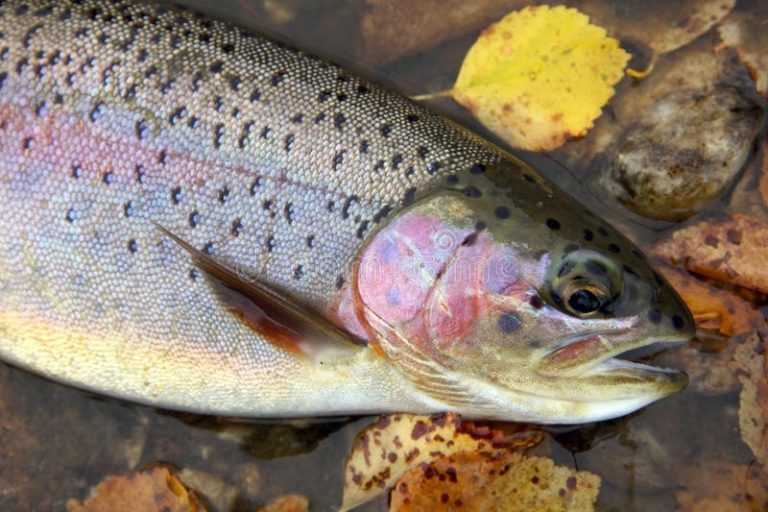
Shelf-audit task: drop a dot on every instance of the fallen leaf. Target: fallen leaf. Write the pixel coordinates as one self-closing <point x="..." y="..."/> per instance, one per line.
<point x="540" y="76"/>
<point x="385" y="450"/>
<point x="510" y="483"/>
<point x="394" y="28"/>
<point x="156" y="488"/>
<point x="753" y="401"/>
<point x="745" y="30"/>
<point x="731" y="250"/>
<point x="665" y="27"/>
<point x="714" y="310"/>
<point x="719" y="486"/>
<point x="287" y="503"/>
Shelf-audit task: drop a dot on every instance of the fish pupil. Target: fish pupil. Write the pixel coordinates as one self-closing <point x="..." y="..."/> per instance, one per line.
<point x="584" y="301"/>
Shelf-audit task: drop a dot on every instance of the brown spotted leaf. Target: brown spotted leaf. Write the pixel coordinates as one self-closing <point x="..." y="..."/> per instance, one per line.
<point x="715" y="310"/>
<point x="384" y="451"/>
<point x="745" y="30"/>
<point x="719" y="486"/>
<point x="152" y="489"/>
<point x="753" y="400"/>
<point x="509" y="483"/>
<point x="731" y="250"/>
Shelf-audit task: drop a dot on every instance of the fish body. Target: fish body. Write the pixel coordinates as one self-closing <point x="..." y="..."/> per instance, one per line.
<point x="450" y="265"/>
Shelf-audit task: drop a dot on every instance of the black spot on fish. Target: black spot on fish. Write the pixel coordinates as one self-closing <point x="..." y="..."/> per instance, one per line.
<point x="536" y="302"/>
<point x="228" y="48"/>
<point x="614" y="248"/>
<point x="341" y="97"/>
<point x="361" y="229"/>
<point x="257" y="183"/>
<point x="298" y="272"/>
<point x="529" y="178"/>
<point x="237" y="227"/>
<point x="194" y="274"/>
<point x="194" y="219"/>
<point x="570" y="248"/>
<point x="433" y="167"/>
<point x="311" y="241"/>
<point x="477" y="169"/>
<point x="129" y="210"/>
<point x="508" y="323"/>
<point x="378" y="166"/>
<point x="338" y="159"/>
<point x="472" y="191"/>
<point x="176" y="195"/>
<point x="331" y="206"/>
<point x="602" y="231"/>
<point x="470" y="239"/>
<point x="218" y="135"/>
<point x="364" y="146"/>
<point x="224" y="194"/>
<point x="162" y="157"/>
<point x="339" y="120"/>
<point x="409" y="196"/>
<point x="71" y="215"/>
<point x="339" y="282"/>
<point x="270" y="244"/>
<point x="141" y="129"/>
<point x="278" y="78"/>
<point x="298" y="118"/>
<point x="347" y="205"/>
<point x="288" y="142"/>
<point x="288" y="212"/>
<point x="412" y="118"/>
<point x="266" y="205"/>
<point x="361" y="90"/>
<point x="265" y="132"/>
<point x="96" y="111"/>
<point x="176" y="115"/>
<point x="27" y="40"/>
<point x="218" y="103"/>
<point x="133" y="246"/>
<point x="422" y="152"/>
<point x="324" y="96"/>
<point x="480" y="225"/>
<point x="588" y="235"/>
<point x="77" y="171"/>
<point x="502" y="212"/>
<point x="678" y="322"/>
<point x="385" y="130"/>
<point x="26" y="143"/>
<point x="209" y="249"/>
<point x="397" y="160"/>
<point x="255" y="95"/>
<point x="216" y="67"/>
<point x="553" y="224"/>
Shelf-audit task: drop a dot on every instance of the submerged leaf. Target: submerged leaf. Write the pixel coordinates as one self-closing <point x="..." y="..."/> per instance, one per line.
<point x="719" y="486"/>
<point x="152" y="489"/>
<point x="753" y="401"/>
<point x="510" y="483"/>
<point x="540" y="76"/>
<point x="745" y="30"/>
<point x="384" y="451"/>
<point x="731" y="250"/>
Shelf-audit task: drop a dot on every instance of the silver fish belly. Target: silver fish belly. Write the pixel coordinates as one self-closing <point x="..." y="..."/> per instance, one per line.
<point x="118" y="117"/>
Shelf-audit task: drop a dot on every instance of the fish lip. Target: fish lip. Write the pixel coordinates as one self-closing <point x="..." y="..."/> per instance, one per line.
<point x="611" y="346"/>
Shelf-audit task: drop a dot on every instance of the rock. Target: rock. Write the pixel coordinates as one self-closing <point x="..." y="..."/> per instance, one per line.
<point x="684" y="152"/>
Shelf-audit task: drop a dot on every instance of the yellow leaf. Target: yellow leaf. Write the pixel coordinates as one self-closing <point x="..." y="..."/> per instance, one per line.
<point x="384" y="451"/>
<point x="540" y="76"/>
<point x="510" y="483"/>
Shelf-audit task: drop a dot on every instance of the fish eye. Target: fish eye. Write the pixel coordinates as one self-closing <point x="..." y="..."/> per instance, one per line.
<point x="583" y="283"/>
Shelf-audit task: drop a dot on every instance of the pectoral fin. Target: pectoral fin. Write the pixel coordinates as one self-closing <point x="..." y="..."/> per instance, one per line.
<point x="279" y="318"/>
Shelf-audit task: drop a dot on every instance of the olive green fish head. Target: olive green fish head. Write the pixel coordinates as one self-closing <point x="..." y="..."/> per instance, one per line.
<point x="501" y="296"/>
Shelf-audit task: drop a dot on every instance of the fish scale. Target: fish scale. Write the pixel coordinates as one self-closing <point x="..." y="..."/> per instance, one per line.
<point x="119" y="117"/>
<point x="137" y="113"/>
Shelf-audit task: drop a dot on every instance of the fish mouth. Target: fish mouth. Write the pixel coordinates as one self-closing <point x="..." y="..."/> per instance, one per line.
<point x="615" y="365"/>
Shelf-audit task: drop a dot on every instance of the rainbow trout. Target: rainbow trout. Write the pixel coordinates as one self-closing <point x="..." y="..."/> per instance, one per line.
<point x="197" y="218"/>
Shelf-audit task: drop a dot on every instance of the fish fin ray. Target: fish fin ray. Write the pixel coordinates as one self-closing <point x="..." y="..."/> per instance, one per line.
<point x="279" y="318"/>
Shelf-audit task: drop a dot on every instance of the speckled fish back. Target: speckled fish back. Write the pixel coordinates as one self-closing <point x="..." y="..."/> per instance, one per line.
<point x="115" y="115"/>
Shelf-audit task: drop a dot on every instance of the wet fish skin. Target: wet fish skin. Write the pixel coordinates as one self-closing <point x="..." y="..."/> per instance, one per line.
<point x="117" y="116"/>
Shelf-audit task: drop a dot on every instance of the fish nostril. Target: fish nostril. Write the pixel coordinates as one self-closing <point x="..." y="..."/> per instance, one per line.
<point x="678" y="322"/>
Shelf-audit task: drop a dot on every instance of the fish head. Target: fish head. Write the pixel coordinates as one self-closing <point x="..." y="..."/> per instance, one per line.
<point x="500" y="293"/>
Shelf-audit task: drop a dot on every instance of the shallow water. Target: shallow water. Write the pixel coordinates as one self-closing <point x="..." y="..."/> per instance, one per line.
<point x="58" y="442"/>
